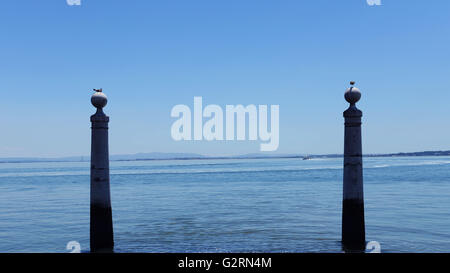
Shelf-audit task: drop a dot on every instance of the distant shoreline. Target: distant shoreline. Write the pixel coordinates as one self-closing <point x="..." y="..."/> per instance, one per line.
<point x="180" y="156"/>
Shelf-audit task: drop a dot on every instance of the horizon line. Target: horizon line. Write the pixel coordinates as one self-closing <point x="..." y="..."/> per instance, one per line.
<point x="187" y="156"/>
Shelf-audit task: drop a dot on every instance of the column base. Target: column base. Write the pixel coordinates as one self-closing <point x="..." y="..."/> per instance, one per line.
<point x="353" y="227"/>
<point x="101" y="237"/>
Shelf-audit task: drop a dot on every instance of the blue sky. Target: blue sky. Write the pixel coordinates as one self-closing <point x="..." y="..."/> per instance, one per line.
<point x="151" y="55"/>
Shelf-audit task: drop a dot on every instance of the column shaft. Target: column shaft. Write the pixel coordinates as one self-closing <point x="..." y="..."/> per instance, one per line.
<point x="353" y="227"/>
<point x="101" y="230"/>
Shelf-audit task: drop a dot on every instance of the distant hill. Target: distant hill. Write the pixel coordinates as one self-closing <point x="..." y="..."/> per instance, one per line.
<point x="185" y="156"/>
<point x="126" y="157"/>
<point x="425" y="153"/>
<point x="42" y="159"/>
<point x="155" y="156"/>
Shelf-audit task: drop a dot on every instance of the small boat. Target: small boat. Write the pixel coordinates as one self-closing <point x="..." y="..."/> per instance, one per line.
<point x="306" y="157"/>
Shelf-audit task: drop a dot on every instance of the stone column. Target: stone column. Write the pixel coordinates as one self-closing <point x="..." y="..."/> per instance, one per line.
<point x="101" y="232"/>
<point x="353" y="227"/>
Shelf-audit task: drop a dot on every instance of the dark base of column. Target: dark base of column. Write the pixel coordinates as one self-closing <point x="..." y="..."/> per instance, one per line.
<point x="353" y="228"/>
<point x="102" y="238"/>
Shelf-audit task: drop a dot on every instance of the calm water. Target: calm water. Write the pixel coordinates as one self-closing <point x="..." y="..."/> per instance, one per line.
<point x="261" y="205"/>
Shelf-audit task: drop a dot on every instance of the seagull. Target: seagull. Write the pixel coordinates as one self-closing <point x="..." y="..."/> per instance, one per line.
<point x="98" y="90"/>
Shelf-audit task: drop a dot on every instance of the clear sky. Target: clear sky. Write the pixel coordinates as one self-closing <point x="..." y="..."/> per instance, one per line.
<point x="151" y="55"/>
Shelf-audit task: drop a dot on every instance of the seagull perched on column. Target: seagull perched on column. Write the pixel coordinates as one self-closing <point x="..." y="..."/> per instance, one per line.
<point x="98" y="90"/>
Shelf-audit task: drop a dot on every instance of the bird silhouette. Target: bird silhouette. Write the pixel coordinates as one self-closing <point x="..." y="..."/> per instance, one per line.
<point x="98" y="90"/>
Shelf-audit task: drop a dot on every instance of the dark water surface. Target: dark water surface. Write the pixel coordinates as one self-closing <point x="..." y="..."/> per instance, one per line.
<point x="254" y="205"/>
